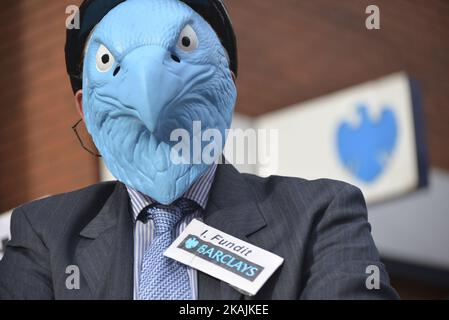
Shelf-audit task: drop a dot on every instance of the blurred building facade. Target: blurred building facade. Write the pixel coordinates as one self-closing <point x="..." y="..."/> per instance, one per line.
<point x="290" y="51"/>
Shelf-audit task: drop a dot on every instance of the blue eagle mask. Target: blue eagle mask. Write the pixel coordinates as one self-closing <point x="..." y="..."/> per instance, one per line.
<point x="152" y="67"/>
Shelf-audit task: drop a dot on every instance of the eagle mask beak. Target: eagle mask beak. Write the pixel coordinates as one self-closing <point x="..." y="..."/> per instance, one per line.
<point x="153" y="81"/>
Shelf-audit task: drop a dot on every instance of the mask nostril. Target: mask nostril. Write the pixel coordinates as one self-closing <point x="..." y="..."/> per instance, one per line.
<point x="175" y="58"/>
<point x="116" y="71"/>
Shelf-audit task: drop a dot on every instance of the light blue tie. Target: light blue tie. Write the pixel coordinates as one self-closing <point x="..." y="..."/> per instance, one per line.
<point x="162" y="278"/>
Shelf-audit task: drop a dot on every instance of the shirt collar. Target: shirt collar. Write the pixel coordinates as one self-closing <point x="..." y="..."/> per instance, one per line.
<point x="198" y="192"/>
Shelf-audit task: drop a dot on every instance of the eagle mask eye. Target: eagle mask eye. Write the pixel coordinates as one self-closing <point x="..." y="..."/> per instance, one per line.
<point x="105" y="60"/>
<point x="188" y="40"/>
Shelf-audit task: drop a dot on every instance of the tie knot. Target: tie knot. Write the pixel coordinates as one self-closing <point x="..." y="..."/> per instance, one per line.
<point x="186" y="206"/>
<point x="165" y="217"/>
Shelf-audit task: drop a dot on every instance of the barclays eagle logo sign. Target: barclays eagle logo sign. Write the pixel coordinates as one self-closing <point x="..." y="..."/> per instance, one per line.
<point x="366" y="149"/>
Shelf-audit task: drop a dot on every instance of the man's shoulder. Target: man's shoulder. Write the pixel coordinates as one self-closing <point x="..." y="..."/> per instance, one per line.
<point x="302" y="201"/>
<point x="63" y="206"/>
<point x="71" y="196"/>
<point x="298" y="189"/>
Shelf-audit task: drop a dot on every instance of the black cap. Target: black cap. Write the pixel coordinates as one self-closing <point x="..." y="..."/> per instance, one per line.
<point x="93" y="11"/>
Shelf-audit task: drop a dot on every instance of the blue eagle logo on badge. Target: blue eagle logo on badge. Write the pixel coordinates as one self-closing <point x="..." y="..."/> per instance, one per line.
<point x="191" y="243"/>
<point x="367" y="148"/>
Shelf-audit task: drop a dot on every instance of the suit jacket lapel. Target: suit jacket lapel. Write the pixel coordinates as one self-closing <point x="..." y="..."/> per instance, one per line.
<point x="231" y="209"/>
<point x="105" y="251"/>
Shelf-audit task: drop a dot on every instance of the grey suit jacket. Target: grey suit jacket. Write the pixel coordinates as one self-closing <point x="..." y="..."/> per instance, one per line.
<point x="319" y="227"/>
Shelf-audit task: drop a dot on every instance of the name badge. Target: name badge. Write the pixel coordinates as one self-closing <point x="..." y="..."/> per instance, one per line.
<point x="234" y="261"/>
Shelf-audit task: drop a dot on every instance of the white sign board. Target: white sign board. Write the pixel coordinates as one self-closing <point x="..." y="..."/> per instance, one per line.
<point x="5" y="235"/>
<point x="364" y="135"/>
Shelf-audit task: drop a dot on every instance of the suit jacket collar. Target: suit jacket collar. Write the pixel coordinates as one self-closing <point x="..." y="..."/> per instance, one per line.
<point x="105" y="253"/>
<point x="232" y="209"/>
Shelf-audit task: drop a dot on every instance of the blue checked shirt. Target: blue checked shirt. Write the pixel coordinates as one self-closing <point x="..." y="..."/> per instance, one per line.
<point x="143" y="233"/>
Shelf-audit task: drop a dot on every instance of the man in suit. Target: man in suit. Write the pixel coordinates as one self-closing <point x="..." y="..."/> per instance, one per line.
<point x="106" y="241"/>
